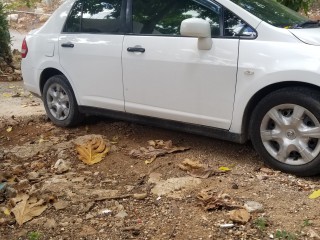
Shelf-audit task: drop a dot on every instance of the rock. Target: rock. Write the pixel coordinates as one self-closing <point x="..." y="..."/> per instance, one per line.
<point x="234" y="186"/>
<point x="44" y="18"/>
<point x="262" y="177"/>
<point x="29" y="150"/>
<point x="10" y="192"/>
<point x="61" y="205"/>
<point x="1" y="154"/>
<point x="62" y="154"/>
<point x="313" y="234"/>
<point x="61" y="166"/>
<point x="50" y="224"/>
<point x="13" y="17"/>
<point x="32" y="176"/>
<point x="121" y="214"/>
<point x="239" y="216"/>
<point x="22" y="20"/>
<point x="252" y="206"/>
<point x="39" y="11"/>
<point x="154" y="177"/>
<point x="175" y="187"/>
<point x="37" y="165"/>
<point x="140" y="196"/>
<point x="87" y="230"/>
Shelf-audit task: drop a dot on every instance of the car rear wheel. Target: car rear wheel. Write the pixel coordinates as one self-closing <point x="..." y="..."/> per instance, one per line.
<point x="60" y="103"/>
<point x="285" y="130"/>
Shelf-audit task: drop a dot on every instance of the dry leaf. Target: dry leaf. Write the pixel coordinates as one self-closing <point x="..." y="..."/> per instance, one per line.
<point x="6" y="95"/>
<point x="196" y="169"/>
<point x="315" y="194"/>
<point x="239" y="216"/>
<point x="6" y="211"/>
<point x="224" y="169"/>
<point x="155" y="149"/>
<point x="26" y="208"/>
<point x="212" y="200"/>
<point x="9" y="129"/>
<point x="92" y="151"/>
<point x="199" y="170"/>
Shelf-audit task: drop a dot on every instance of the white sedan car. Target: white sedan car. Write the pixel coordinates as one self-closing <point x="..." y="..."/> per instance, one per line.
<point x="233" y="69"/>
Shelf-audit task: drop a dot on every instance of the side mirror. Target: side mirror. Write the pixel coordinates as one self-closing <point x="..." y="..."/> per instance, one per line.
<point x="197" y="27"/>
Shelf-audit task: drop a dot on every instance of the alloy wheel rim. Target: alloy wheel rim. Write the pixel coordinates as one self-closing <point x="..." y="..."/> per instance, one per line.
<point x="291" y="134"/>
<point x="58" y="102"/>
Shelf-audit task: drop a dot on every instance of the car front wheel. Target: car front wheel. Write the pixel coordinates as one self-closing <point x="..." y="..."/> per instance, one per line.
<point x="60" y="103"/>
<point x="285" y="130"/>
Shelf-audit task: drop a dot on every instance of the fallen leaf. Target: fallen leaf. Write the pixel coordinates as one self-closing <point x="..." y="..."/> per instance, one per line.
<point x="26" y="208"/>
<point x="196" y="169"/>
<point x="224" y="169"/>
<point x="155" y="149"/>
<point x="6" y="211"/>
<point x="212" y="200"/>
<point x="9" y="129"/>
<point x="315" y="194"/>
<point x="239" y="216"/>
<point x="6" y="95"/>
<point x="92" y="151"/>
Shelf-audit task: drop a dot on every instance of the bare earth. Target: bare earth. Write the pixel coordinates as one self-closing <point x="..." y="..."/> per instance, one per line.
<point x="122" y="197"/>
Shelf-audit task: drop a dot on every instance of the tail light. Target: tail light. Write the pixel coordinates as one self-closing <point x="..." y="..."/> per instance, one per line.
<point x="24" y="48"/>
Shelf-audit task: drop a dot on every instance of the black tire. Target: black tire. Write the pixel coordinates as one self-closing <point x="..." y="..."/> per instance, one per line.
<point x="276" y="140"/>
<point x="68" y="114"/>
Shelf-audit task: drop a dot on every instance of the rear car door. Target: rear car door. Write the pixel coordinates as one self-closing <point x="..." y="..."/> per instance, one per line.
<point x="171" y="78"/>
<point x="90" y="48"/>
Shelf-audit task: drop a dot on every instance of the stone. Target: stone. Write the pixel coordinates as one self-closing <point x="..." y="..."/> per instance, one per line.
<point x="32" y="176"/>
<point x="50" y="224"/>
<point x="61" y="166"/>
<point x="60" y="205"/>
<point x="87" y="231"/>
<point x="13" y="17"/>
<point x="154" y="177"/>
<point x="252" y="206"/>
<point x="10" y="192"/>
<point x="121" y="214"/>
<point x="175" y="187"/>
<point x="140" y="196"/>
<point x="44" y="18"/>
<point x="239" y="216"/>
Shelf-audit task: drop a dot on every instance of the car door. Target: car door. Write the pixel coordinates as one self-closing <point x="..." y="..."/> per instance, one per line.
<point x="165" y="75"/>
<point x="90" y="49"/>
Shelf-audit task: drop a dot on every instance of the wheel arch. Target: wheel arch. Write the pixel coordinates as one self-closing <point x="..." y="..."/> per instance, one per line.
<point x="258" y="96"/>
<point x="46" y="74"/>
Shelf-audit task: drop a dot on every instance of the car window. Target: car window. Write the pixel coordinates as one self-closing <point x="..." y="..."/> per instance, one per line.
<point x="163" y="17"/>
<point x="236" y="27"/>
<point x="272" y="12"/>
<point x="94" y="16"/>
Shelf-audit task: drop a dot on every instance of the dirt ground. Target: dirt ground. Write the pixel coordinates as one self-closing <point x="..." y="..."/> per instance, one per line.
<point x="122" y="197"/>
<point x="47" y="192"/>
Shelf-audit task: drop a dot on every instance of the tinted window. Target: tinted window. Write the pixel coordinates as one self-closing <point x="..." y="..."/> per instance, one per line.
<point x="165" y="16"/>
<point x="272" y="12"/>
<point x="94" y="16"/>
<point x="236" y="27"/>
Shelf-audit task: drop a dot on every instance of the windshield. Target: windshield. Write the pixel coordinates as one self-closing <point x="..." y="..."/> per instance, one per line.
<point x="272" y="12"/>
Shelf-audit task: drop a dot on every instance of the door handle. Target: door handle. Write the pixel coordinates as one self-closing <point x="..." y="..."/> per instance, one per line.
<point x="67" y="45"/>
<point x="136" y="49"/>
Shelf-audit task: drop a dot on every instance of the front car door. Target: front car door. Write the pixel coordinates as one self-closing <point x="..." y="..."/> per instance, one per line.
<point x="165" y="75"/>
<point x="90" y="47"/>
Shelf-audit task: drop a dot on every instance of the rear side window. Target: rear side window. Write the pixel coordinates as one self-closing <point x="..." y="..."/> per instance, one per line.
<point x="94" y="16"/>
